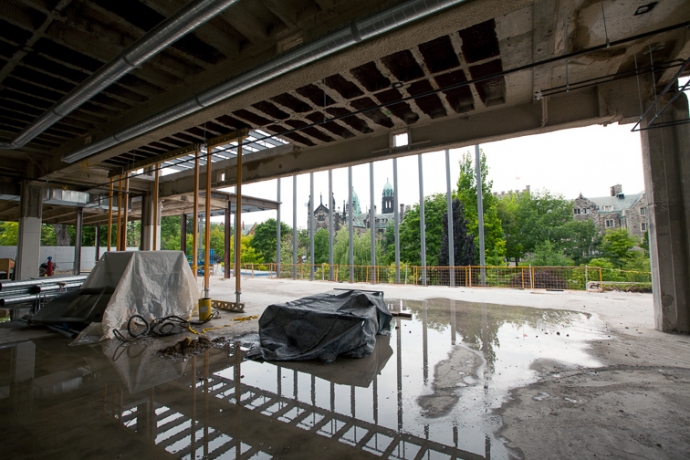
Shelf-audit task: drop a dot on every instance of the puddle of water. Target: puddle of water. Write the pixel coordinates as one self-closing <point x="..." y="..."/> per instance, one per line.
<point x="427" y="391"/>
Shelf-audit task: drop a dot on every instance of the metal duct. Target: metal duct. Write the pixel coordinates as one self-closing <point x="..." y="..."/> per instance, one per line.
<point x="175" y="27"/>
<point x="12" y="285"/>
<point x="358" y="31"/>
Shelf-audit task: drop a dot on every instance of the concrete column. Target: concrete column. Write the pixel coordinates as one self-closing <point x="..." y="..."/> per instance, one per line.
<point x="29" y="244"/>
<point x="78" y="234"/>
<point x="666" y="162"/>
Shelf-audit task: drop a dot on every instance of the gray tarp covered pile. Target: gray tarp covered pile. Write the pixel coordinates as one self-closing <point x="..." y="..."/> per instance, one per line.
<point x="324" y="326"/>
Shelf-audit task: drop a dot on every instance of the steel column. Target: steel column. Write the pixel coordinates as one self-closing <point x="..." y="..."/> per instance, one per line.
<point x="294" y="227"/>
<point x="480" y="213"/>
<point x="238" y="226"/>
<point x="226" y="241"/>
<point x="118" y="246"/>
<point x="396" y="217"/>
<point x="125" y="214"/>
<point x="451" y="233"/>
<point x="350" y="223"/>
<point x="207" y="221"/>
<point x="311" y="226"/>
<point x="422" y="223"/>
<point x="97" y="241"/>
<point x="110" y="214"/>
<point x="330" y="224"/>
<point x="77" y="240"/>
<point x="195" y="217"/>
<point x="278" y="236"/>
<point x="156" y="184"/>
<point x="183" y="234"/>
<point x="372" y="222"/>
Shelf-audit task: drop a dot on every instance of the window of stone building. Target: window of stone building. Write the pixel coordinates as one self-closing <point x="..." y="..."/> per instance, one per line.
<point x="642" y="211"/>
<point x="576" y="211"/>
<point x="610" y="223"/>
<point x="608" y="208"/>
<point x="643" y="226"/>
<point x="585" y="211"/>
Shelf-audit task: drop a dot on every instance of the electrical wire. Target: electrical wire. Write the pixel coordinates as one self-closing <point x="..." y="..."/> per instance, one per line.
<point x="158" y="327"/>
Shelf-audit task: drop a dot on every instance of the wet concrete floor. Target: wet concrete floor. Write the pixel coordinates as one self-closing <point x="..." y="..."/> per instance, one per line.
<point x="430" y="390"/>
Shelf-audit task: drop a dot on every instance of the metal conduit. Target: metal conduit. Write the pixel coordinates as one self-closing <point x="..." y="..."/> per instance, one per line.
<point x="170" y="30"/>
<point x="358" y="31"/>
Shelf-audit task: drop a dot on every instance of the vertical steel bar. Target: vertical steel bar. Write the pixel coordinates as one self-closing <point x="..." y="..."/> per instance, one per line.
<point x="350" y="225"/>
<point x="396" y="217"/>
<point x="278" y="236"/>
<point x="422" y="223"/>
<point x="331" y="204"/>
<point x="238" y="226"/>
<point x="480" y="213"/>
<point x="372" y="222"/>
<point x="207" y="227"/>
<point x="195" y="217"/>
<point x="294" y="227"/>
<point x="110" y="214"/>
<point x="451" y="230"/>
<point x="156" y="182"/>
<point x="311" y="227"/>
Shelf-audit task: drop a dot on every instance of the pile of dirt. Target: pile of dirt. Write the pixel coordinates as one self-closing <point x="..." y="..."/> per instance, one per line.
<point x="186" y="347"/>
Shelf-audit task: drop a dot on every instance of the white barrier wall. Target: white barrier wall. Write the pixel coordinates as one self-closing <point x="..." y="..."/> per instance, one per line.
<point x="63" y="256"/>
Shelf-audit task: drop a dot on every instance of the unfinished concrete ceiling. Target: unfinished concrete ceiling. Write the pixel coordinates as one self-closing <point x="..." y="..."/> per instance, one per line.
<point x="476" y="58"/>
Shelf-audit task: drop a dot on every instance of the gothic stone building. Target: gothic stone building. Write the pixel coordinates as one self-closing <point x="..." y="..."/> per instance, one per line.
<point x="361" y="220"/>
<point x="615" y="211"/>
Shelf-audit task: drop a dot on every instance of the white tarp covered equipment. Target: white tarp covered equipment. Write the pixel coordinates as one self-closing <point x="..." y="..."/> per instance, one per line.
<point x="153" y="284"/>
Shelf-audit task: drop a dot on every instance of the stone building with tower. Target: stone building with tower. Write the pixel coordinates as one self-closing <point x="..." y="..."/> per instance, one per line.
<point x="617" y="210"/>
<point x="361" y="220"/>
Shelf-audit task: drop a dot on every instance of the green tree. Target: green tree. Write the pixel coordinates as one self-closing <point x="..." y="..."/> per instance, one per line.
<point x="494" y="238"/>
<point x="264" y="241"/>
<point x="9" y="233"/>
<point x="617" y="247"/>
<point x="410" y="235"/>
<point x="463" y="243"/>
<point x="321" y="246"/>
<point x="529" y="219"/>
<point x="548" y="254"/>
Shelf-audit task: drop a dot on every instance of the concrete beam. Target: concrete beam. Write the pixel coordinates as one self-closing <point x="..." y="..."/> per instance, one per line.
<point x="28" y="248"/>
<point x="568" y="110"/>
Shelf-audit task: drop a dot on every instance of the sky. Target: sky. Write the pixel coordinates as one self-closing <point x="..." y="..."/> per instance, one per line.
<point x="567" y="162"/>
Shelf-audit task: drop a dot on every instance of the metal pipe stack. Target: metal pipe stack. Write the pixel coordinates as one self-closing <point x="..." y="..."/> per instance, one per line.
<point x="29" y="291"/>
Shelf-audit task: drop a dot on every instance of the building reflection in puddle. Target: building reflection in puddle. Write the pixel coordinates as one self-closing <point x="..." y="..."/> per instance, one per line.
<point x="427" y="391"/>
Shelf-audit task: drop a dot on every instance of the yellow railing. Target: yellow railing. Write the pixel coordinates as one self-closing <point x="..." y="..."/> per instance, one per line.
<point x="523" y="277"/>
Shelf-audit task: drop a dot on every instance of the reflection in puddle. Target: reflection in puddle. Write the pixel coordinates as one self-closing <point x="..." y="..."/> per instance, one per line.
<point x="426" y="392"/>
